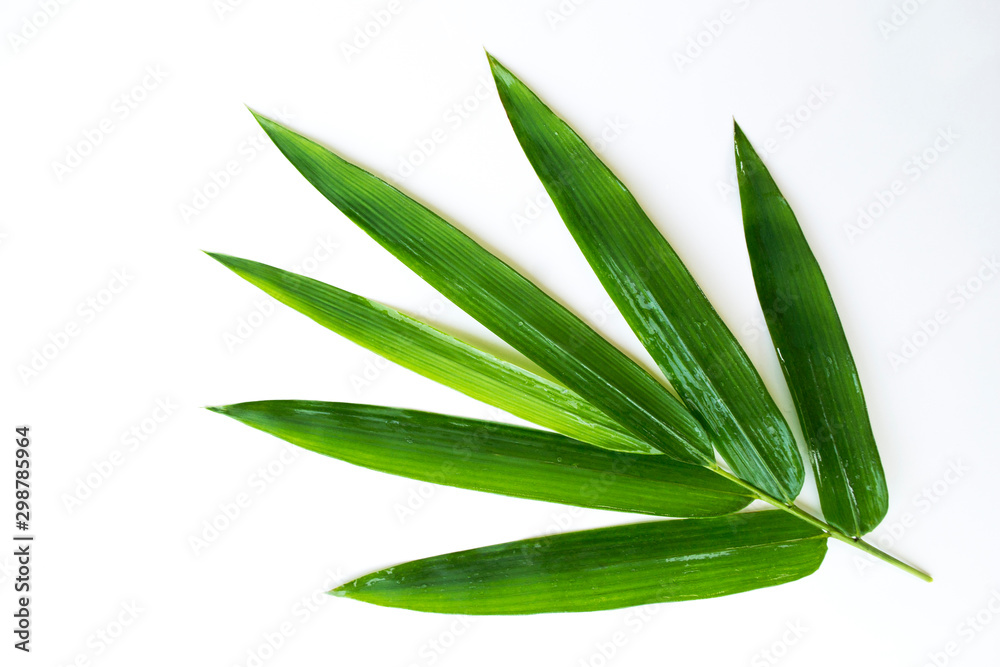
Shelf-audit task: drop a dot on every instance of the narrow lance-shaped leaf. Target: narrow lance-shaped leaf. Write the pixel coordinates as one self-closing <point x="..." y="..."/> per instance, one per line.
<point x="813" y="352"/>
<point x="441" y="357"/>
<point x="499" y="297"/>
<point x="607" y="568"/>
<point x="657" y="296"/>
<point x="494" y="457"/>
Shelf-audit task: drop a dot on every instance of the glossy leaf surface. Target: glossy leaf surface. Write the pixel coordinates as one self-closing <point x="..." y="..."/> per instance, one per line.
<point x="813" y="351"/>
<point x="658" y="296"/>
<point x="607" y="568"/>
<point x="500" y="298"/>
<point x="493" y="457"/>
<point x="440" y="357"/>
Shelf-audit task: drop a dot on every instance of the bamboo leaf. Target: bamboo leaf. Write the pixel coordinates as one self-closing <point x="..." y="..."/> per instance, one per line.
<point x="607" y="568"/>
<point x="657" y="296"/>
<point x="813" y="351"/>
<point x="443" y="358"/>
<point x="494" y="457"/>
<point x="500" y="298"/>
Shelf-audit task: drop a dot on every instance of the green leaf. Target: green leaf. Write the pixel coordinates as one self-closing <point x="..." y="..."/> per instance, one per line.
<point x="500" y="298"/>
<point x="494" y="457"/>
<point x="440" y="357"/>
<point x="607" y="568"/>
<point x="813" y="352"/>
<point x="657" y="296"/>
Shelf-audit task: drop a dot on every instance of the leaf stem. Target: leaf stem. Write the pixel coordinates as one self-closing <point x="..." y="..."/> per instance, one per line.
<point x="793" y="509"/>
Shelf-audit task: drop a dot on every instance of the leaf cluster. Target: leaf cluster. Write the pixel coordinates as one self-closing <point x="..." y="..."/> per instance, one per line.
<point x="612" y="436"/>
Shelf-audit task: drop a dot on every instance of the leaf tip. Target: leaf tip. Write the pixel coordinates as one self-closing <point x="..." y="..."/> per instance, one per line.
<point x="338" y="592"/>
<point x="501" y="75"/>
<point x="739" y="138"/>
<point x="217" y="256"/>
<point x="266" y="123"/>
<point x="234" y="264"/>
<point x="220" y="409"/>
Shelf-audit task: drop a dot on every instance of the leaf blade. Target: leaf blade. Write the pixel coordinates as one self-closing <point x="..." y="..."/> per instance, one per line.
<point x="657" y="296"/>
<point x="607" y="568"/>
<point x="438" y="356"/>
<point x="813" y="350"/>
<point x="493" y="457"/>
<point x="500" y="298"/>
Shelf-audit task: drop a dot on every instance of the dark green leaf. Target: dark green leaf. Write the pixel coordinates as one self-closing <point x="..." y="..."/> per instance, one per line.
<point x="441" y="357"/>
<point x="658" y="296"/>
<point x="813" y="352"/>
<point x="502" y="299"/>
<point x="607" y="568"/>
<point x="494" y="457"/>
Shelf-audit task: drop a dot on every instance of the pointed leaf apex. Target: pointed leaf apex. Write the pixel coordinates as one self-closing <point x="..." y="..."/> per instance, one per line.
<point x="830" y="403"/>
<point x="743" y="145"/>
<point x="501" y="75"/>
<point x="266" y="123"/>
<point x="230" y="262"/>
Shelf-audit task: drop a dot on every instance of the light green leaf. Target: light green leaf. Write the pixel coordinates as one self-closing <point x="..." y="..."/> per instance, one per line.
<point x="607" y="568"/>
<point x="441" y="357"/>
<point x="813" y="352"/>
<point x="657" y="296"/>
<point x="494" y="457"/>
<point x="500" y="298"/>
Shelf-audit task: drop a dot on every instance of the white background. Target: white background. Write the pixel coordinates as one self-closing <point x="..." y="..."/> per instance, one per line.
<point x="607" y="67"/>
